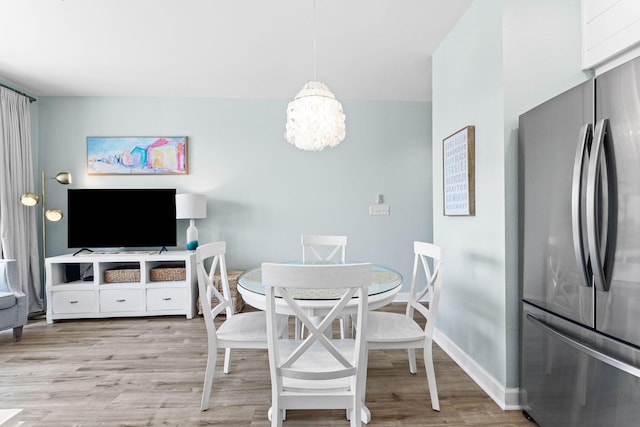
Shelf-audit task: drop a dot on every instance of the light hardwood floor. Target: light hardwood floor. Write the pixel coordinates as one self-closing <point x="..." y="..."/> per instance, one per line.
<point x="149" y="372"/>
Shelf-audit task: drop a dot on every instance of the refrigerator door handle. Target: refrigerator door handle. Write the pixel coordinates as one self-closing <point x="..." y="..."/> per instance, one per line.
<point x="583" y="348"/>
<point x="601" y="175"/>
<point x="582" y="152"/>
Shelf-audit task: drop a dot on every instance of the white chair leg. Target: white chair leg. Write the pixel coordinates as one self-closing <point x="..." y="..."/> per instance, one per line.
<point x="352" y="330"/>
<point x="365" y="414"/>
<point x="270" y="414"/>
<point x="345" y="328"/>
<point x="227" y="361"/>
<point x="356" y="413"/>
<point x="431" y="377"/>
<point x="276" y="421"/>
<point x="208" y="379"/>
<point x="413" y="368"/>
<point x="298" y="329"/>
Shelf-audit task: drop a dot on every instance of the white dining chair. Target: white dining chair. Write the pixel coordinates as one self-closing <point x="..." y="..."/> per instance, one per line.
<point x="316" y="372"/>
<point x="325" y="248"/>
<point x="401" y="331"/>
<point x="238" y="330"/>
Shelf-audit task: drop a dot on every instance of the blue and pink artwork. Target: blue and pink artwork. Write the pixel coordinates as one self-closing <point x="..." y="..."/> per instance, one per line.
<point x="137" y="155"/>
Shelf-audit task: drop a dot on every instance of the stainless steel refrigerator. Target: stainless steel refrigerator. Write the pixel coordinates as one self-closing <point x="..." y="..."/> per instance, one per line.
<point x="579" y="199"/>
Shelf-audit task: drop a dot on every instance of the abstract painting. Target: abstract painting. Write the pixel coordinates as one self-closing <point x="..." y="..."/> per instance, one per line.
<point x="137" y="155"/>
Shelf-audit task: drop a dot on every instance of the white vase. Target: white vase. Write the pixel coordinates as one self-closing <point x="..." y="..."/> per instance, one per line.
<point x="192" y="236"/>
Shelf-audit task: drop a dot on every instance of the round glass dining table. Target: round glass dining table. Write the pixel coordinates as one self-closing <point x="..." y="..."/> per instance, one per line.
<point x="385" y="284"/>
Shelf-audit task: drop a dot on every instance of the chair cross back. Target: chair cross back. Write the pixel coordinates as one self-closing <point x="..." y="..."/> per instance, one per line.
<point x="215" y="251"/>
<point x="325" y="248"/>
<point x="431" y="288"/>
<point x="316" y="334"/>
<point x="335" y="248"/>
<point x="317" y="372"/>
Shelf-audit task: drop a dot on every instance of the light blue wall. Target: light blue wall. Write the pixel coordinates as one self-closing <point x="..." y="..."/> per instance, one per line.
<point x="262" y="193"/>
<point x="467" y="79"/>
<point x="502" y="58"/>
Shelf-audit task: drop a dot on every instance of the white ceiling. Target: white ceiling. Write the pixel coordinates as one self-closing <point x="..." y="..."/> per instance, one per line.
<point x="365" y="49"/>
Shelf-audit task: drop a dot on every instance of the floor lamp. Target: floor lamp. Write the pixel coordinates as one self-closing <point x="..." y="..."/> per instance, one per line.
<point x="53" y="215"/>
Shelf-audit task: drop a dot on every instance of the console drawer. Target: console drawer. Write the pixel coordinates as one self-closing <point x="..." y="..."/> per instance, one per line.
<point x="166" y="299"/>
<point x="74" y="302"/>
<point x="121" y="300"/>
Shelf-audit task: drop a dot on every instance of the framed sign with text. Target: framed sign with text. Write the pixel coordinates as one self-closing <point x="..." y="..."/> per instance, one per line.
<point x="458" y="164"/>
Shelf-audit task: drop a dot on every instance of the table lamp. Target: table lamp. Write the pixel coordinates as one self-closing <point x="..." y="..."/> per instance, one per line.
<point x="191" y="206"/>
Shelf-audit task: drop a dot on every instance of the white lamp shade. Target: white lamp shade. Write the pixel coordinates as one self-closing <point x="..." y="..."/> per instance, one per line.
<point x="190" y="206"/>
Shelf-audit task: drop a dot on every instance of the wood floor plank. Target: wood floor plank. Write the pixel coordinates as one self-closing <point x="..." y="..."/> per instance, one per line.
<point x="149" y="372"/>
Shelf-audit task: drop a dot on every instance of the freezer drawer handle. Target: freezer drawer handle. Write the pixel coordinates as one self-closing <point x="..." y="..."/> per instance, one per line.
<point x="577" y="214"/>
<point x="584" y="348"/>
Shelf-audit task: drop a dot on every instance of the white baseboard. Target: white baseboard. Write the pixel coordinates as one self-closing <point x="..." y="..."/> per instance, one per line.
<point x="506" y="398"/>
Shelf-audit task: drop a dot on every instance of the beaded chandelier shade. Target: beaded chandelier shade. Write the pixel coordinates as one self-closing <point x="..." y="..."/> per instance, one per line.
<point x="315" y="119"/>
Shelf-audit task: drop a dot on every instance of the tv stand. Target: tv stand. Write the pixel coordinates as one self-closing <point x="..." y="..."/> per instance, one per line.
<point x="142" y="295"/>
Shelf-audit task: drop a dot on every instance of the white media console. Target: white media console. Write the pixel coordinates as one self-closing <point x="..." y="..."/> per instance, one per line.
<point x="83" y="285"/>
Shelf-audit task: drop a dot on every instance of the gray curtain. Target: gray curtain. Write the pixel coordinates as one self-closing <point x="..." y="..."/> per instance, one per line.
<point x="18" y="232"/>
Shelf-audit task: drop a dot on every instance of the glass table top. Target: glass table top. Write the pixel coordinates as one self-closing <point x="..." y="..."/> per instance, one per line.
<point x="383" y="279"/>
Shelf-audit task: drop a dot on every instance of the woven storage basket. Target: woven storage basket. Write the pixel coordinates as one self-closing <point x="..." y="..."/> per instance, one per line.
<point x="236" y="298"/>
<point x="124" y="274"/>
<point x="168" y="273"/>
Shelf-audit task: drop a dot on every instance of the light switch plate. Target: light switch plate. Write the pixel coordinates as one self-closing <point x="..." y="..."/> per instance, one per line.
<point x="379" y="209"/>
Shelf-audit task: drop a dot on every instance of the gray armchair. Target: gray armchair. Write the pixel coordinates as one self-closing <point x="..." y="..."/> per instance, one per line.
<point x="13" y="303"/>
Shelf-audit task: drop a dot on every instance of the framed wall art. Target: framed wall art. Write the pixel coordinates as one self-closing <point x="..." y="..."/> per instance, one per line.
<point x="458" y="169"/>
<point x="166" y="155"/>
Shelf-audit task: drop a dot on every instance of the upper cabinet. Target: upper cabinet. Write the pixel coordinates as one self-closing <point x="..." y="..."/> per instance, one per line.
<point x="610" y="28"/>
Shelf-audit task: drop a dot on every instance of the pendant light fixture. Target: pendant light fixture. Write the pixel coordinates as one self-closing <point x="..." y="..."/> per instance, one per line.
<point x="315" y="119"/>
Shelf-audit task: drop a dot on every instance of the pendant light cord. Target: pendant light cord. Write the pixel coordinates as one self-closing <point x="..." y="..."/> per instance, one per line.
<point x="314" y="41"/>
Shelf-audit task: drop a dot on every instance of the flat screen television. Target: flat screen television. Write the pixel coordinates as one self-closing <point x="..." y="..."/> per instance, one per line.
<point x="121" y="218"/>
